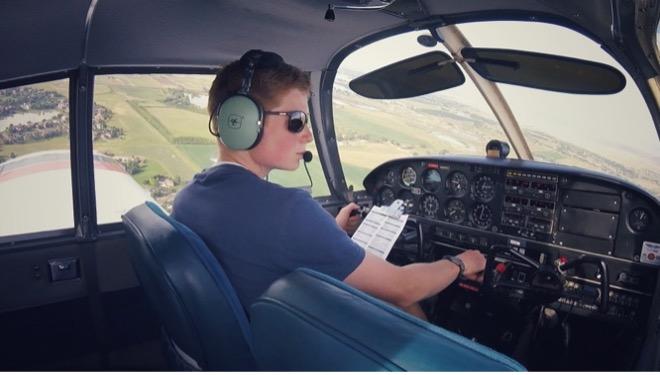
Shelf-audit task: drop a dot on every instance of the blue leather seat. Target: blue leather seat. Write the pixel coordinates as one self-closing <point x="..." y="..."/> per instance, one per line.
<point x="309" y="321"/>
<point x="206" y="327"/>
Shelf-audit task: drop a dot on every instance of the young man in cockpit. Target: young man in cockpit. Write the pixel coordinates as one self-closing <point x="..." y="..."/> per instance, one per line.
<point x="260" y="231"/>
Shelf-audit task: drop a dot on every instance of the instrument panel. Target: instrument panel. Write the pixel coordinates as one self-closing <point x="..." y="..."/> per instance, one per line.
<point x="551" y="212"/>
<point x="537" y="201"/>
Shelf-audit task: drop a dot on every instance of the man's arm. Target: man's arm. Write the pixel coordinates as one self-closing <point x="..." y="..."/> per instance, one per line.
<point x="405" y="286"/>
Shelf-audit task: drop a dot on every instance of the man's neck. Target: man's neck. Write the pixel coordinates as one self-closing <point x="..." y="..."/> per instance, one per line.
<point x="245" y="161"/>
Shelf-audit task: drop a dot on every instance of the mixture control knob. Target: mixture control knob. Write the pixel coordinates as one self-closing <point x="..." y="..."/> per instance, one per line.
<point x="561" y="261"/>
<point x="500" y="268"/>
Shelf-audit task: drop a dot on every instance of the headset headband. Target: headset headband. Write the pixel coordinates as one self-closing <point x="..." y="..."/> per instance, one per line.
<point x="256" y="59"/>
<point x="249" y="61"/>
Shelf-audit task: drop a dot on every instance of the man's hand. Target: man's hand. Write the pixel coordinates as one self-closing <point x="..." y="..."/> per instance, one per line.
<point x="347" y="222"/>
<point x="474" y="262"/>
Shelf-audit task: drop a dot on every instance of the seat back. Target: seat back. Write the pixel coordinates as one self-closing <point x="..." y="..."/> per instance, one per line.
<point x="204" y="322"/>
<point x="308" y="321"/>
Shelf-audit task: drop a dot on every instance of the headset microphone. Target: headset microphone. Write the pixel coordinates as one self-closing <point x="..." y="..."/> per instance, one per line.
<point x="307" y="157"/>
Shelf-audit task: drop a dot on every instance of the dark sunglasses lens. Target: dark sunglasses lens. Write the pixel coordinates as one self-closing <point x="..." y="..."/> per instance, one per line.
<point x="297" y="121"/>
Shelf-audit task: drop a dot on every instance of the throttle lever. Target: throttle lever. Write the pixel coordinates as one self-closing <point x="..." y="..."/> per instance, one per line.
<point x="525" y="258"/>
<point x="545" y="284"/>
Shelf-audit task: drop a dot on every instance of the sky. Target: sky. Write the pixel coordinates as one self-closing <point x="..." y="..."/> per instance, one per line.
<point x="619" y="123"/>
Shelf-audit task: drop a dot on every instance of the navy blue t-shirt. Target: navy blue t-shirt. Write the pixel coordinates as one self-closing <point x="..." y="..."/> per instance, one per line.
<point x="260" y="231"/>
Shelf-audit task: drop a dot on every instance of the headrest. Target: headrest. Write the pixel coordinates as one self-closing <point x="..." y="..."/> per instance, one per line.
<point x="308" y="321"/>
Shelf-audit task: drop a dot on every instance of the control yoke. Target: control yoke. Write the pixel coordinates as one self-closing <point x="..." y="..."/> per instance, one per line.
<point x="547" y="281"/>
<point x="604" y="278"/>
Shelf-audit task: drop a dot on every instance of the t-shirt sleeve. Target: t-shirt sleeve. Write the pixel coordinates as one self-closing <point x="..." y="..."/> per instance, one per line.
<point x="310" y="237"/>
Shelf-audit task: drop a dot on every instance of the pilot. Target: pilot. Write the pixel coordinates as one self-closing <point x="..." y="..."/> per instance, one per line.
<point x="261" y="231"/>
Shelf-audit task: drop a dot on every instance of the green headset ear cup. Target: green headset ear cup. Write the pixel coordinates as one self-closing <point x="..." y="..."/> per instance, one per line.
<point x="239" y="120"/>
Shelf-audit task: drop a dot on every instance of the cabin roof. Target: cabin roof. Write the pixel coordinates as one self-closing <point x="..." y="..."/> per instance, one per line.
<point x="44" y="37"/>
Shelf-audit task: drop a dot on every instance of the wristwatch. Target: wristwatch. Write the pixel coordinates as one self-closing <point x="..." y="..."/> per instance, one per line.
<point x="457" y="261"/>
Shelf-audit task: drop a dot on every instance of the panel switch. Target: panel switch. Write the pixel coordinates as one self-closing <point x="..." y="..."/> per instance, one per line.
<point x="64" y="269"/>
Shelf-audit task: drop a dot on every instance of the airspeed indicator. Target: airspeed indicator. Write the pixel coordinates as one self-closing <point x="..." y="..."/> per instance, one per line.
<point x="408" y="176"/>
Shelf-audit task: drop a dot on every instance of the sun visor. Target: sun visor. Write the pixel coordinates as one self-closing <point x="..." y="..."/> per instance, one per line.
<point x="418" y="75"/>
<point x="543" y="71"/>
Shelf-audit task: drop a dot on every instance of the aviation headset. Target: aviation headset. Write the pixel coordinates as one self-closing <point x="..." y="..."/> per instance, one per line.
<point x="239" y="118"/>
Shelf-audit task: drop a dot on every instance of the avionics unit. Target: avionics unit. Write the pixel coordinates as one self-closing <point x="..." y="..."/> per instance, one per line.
<point x="528" y="209"/>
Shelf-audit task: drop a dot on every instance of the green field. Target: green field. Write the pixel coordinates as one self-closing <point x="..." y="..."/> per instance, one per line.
<point x="378" y="126"/>
<point x="299" y="178"/>
<point x="354" y="175"/>
<point x="182" y="123"/>
<point x="201" y="155"/>
<point x="143" y="138"/>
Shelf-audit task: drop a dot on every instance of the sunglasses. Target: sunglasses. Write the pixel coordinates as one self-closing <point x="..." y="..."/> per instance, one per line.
<point x="297" y="119"/>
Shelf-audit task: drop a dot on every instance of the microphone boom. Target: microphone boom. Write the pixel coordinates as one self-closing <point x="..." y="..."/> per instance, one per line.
<point x="307" y="157"/>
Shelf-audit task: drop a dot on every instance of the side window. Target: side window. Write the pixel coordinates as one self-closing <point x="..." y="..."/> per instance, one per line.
<point x="35" y="167"/>
<point x="151" y="137"/>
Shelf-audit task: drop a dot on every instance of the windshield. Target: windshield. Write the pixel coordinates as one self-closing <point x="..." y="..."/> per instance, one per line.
<point x="613" y="134"/>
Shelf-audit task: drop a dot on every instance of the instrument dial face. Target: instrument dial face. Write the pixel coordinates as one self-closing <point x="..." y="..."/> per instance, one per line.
<point x="431" y="180"/>
<point x="430" y="205"/>
<point x="484" y="189"/>
<point x="390" y="177"/>
<point x="386" y="196"/>
<point x="408" y="202"/>
<point x="457" y="183"/>
<point x="408" y="176"/>
<point x="481" y="216"/>
<point x="455" y="211"/>
<point x="639" y="219"/>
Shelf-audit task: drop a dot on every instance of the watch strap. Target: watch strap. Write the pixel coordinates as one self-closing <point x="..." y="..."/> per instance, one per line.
<point x="457" y="261"/>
